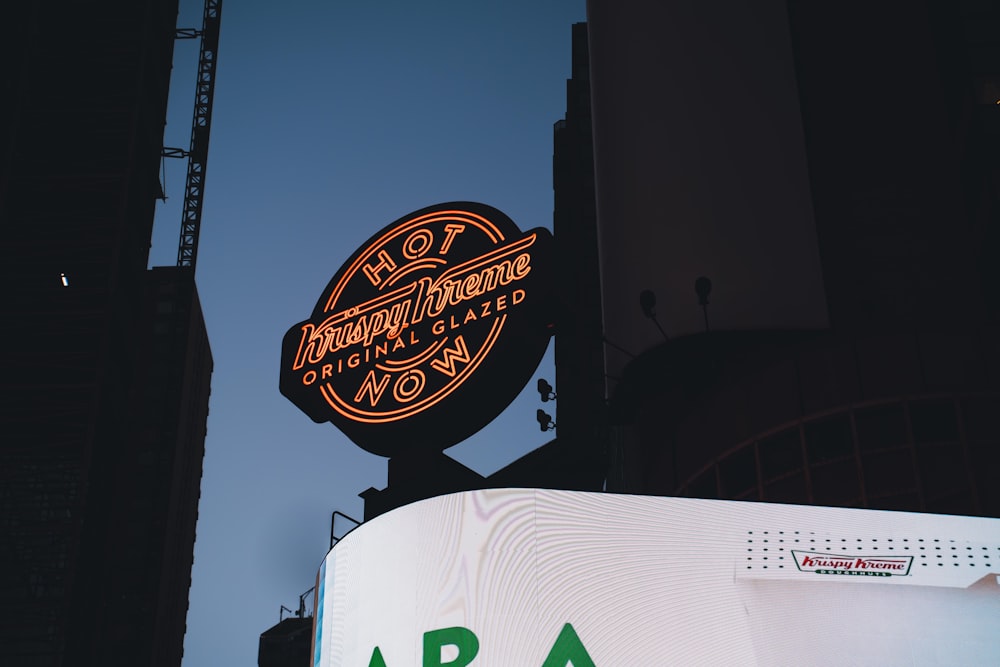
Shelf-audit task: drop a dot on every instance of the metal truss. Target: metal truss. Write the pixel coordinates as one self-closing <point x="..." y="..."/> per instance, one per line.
<point x="194" y="188"/>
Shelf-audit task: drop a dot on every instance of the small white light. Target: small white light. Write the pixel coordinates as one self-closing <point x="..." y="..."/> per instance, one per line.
<point x="65" y="280"/>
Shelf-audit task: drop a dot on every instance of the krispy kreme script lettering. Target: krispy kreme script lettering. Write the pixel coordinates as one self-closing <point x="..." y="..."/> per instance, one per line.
<point x="389" y="314"/>
<point x="862" y="563"/>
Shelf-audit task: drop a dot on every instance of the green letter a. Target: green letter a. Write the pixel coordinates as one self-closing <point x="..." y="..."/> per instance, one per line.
<point x="462" y="638"/>
<point x="377" y="659"/>
<point x="568" y="648"/>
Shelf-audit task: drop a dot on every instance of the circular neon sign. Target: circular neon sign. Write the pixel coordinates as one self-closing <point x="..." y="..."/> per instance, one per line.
<point x="427" y="332"/>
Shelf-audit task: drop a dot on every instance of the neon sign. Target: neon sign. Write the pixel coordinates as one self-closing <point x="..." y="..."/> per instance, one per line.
<point x="427" y="332"/>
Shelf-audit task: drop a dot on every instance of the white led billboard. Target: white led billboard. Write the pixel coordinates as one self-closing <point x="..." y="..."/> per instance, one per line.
<point x="526" y="578"/>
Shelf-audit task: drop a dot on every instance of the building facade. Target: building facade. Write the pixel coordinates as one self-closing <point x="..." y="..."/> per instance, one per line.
<point x="107" y="365"/>
<point x="831" y="172"/>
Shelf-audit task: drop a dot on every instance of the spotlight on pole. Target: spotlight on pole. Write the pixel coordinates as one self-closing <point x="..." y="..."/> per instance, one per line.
<point x="647" y="302"/>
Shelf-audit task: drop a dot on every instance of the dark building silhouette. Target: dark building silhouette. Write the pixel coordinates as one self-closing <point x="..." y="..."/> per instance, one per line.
<point x="832" y="171"/>
<point x="106" y="366"/>
<point x="287" y="644"/>
<point x="579" y="355"/>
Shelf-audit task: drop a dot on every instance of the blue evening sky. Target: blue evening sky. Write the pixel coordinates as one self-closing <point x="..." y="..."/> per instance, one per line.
<point x="331" y="120"/>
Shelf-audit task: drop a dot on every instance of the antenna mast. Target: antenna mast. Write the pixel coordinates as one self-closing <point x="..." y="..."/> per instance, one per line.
<point x="194" y="188"/>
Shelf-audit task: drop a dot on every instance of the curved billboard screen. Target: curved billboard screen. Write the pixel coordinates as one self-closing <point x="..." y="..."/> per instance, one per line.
<point x="551" y="578"/>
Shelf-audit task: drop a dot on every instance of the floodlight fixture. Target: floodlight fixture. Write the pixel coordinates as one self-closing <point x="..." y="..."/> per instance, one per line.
<point x="545" y="390"/>
<point x="544" y="420"/>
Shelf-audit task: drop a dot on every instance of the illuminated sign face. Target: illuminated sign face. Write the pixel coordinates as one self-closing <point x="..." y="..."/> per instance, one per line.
<point x="426" y="333"/>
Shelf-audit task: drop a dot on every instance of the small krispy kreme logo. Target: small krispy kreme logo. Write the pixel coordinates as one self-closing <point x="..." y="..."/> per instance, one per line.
<point x="871" y="566"/>
<point x="415" y="317"/>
